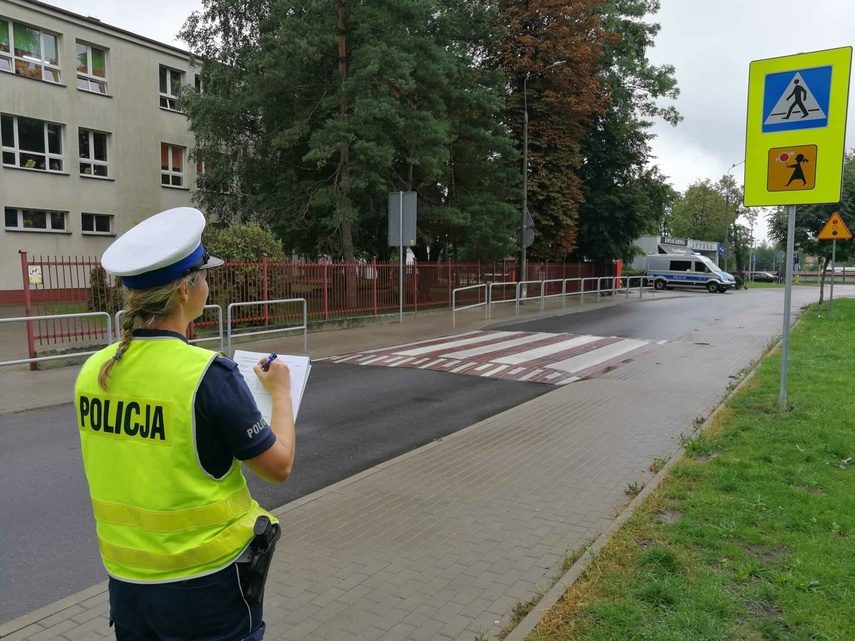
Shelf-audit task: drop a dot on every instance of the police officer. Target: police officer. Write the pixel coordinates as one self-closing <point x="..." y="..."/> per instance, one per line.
<point x="163" y="427"/>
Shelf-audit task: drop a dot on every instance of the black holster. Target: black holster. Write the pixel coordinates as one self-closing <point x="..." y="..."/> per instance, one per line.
<point x="261" y="554"/>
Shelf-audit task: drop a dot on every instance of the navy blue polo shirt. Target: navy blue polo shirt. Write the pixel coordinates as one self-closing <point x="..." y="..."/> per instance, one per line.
<point x="226" y="414"/>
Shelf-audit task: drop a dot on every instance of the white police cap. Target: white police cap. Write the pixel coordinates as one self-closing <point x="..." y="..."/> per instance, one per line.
<point x="160" y="249"/>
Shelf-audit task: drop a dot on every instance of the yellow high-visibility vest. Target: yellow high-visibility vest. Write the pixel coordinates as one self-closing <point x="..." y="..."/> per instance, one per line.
<point x="159" y="515"/>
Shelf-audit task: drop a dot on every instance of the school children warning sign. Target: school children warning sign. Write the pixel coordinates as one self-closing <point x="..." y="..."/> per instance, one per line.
<point x="835" y="229"/>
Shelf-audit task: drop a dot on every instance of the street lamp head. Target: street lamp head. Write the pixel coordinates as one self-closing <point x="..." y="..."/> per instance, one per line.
<point x="557" y="63"/>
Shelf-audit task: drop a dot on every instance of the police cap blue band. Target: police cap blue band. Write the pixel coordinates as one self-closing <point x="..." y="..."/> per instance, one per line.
<point x="164" y="275"/>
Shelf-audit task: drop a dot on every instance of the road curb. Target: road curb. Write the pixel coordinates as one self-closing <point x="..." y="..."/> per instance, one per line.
<point x="32" y="618"/>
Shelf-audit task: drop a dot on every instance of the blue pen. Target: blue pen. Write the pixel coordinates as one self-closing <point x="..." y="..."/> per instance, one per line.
<point x="266" y="364"/>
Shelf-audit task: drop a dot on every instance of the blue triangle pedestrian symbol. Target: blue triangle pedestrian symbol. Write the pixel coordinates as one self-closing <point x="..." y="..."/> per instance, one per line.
<point x="796" y="99"/>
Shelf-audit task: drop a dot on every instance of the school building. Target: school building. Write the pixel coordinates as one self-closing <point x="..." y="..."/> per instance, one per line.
<point x="93" y="140"/>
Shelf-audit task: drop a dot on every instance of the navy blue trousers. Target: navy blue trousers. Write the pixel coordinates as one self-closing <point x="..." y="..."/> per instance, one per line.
<point x="208" y="608"/>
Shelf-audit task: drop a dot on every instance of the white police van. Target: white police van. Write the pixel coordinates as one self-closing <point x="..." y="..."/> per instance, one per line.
<point x="686" y="270"/>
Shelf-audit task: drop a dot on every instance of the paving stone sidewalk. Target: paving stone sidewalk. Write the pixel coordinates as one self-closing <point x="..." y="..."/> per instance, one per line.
<point x="443" y="542"/>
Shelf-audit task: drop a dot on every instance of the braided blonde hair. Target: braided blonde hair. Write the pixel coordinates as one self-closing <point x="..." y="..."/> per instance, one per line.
<point x="145" y="308"/>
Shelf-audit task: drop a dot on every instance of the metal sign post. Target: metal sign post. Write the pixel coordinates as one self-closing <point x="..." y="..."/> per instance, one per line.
<point x="835" y="229"/>
<point x="788" y="297"/>
<point x="402" y="233"/>
<point x="833" y="257"/>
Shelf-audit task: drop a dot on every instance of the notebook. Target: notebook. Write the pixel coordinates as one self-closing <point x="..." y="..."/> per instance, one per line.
<point x="299" y="366"/>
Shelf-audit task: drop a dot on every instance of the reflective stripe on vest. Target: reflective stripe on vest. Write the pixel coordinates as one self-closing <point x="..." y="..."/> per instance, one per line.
<point x="174" y="520"/>
<point x="224" y="547"/>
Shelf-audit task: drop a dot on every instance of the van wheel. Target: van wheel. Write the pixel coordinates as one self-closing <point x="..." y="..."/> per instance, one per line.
<point x="712" y="288"/>
<point x="659" y="284"/>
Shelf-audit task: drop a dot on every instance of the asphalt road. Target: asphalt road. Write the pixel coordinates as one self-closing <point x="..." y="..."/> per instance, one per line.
<point x="352" y="418"/>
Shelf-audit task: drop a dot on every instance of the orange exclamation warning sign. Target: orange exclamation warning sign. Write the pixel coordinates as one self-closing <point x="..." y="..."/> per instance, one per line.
<point x="792" y="168"/>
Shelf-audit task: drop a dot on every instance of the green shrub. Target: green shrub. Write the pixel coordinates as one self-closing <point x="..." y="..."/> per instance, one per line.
<point x="740" y="282"/>
<point x="244" y="243"/>
<point x="105" y="293"/>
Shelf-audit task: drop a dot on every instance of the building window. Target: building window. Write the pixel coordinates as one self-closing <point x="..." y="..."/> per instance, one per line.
<point x="91" y="68"/>
<point x="5" y="48"/>
<point x="31" y="143"/>
<point x="93" y="153"/>
<point x="171" y="165"/>
<point x="170" y="87"/>
<point x="35" y="220"/>
<point x="28" y="52"/>
<point x="97" y="224"/>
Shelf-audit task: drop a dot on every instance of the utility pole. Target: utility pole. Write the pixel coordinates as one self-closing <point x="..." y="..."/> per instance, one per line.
<point x="727" y="213"/>
<point x="524" y="217"/>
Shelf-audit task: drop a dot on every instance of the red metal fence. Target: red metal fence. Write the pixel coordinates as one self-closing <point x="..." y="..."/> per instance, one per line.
<point x="59" y="285"/>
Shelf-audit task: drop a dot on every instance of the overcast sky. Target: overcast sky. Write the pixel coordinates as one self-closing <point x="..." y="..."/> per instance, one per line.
<point x="710" y="42"/>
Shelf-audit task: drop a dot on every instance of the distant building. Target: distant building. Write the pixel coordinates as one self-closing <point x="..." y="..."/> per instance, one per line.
<point x="87" y="111"/>
<point x="669" y="245"/>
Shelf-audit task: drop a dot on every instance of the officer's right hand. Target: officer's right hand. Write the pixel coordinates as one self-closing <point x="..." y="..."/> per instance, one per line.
<point x="276" y="380"/>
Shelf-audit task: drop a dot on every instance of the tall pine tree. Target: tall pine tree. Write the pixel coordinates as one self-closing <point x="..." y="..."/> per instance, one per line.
<point x="316" y="111"/>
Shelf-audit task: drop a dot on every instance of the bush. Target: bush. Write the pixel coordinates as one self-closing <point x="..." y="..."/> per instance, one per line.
<point x="105" y="293"/>
<point x="244" y="243"/>
<point x="740" y="282"/>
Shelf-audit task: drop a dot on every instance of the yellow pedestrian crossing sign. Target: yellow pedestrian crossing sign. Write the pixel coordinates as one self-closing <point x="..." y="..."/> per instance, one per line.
<point x="796" y="128"/>
<point x="835" y="229"/>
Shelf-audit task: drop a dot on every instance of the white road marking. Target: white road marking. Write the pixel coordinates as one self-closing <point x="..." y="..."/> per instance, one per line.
<point x="486" y="349"/>
<point x="452" y="344"/>
<point x="597" y="356"/>
<point x="546" y="350"/>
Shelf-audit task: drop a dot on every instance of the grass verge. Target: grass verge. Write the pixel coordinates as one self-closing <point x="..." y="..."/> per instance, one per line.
<point x="752" y="535"/>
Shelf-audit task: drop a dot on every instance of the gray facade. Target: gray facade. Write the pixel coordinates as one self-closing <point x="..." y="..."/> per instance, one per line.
<point x="92" y="142"/>
<point x="670" y="245"/>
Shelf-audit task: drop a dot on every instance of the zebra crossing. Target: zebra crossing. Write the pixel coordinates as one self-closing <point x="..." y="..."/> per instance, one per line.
<point x="537" y="357"/>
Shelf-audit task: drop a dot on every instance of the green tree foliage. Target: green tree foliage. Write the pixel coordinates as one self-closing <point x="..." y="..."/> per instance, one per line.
<point x="624" y="196"/>
<point x="810" y="219"/>
<point x="313" y="111"/>
<point x="712" y="212"/>
<point x="699" y="212"/>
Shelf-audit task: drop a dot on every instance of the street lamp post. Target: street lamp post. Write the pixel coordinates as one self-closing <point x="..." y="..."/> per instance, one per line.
<point x="524" y="214"/>
<point x="727" y="207"/>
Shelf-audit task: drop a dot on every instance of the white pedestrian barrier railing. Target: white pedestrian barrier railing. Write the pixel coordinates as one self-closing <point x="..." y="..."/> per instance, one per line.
<point x="38" y="359"/>
<point x="304" y="326"/>
<point x="598" y="285"/>
<point x="455" y="308"/>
